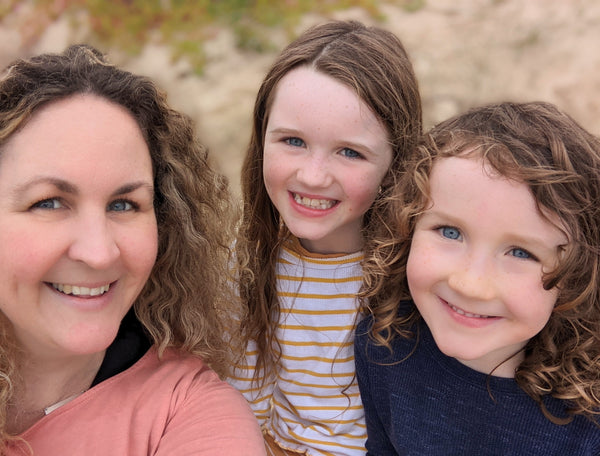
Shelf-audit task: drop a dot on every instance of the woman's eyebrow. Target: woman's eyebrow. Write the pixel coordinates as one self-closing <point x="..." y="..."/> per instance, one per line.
<point x="60" y="184"/>
<point x="131" y="187"/>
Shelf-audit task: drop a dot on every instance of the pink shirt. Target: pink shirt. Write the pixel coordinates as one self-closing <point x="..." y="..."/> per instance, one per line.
<point x="175" y="406"/>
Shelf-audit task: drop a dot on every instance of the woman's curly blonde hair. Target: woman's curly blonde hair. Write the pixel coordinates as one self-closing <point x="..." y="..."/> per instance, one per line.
<point x="185" y="301"/>
<point x="559" y="161"/>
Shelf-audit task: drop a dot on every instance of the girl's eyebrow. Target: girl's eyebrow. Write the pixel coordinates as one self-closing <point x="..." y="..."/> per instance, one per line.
<point x="436" y="212"/>
<point x="283" y="130"/>
<point x="536" y="242"/>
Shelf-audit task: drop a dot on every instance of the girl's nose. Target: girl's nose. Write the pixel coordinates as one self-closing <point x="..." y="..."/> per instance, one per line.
<point x="315" y="172"/>
<point x="473" y="279"/>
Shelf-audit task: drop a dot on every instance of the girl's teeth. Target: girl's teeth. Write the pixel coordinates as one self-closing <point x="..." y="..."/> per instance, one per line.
<point x="81" y="291"/>
<point x="314" y="203"/>
<point x="467" y="314"/>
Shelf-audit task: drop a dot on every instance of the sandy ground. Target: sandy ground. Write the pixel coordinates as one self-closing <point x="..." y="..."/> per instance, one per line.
<point x="465" y="53"/>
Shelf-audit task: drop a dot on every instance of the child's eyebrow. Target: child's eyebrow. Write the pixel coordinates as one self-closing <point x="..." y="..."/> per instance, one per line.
<point x="536" y="242"/>
<point x="283" y="130"/>
<point x="517" y="238"/>
<point x="435" y="212"/>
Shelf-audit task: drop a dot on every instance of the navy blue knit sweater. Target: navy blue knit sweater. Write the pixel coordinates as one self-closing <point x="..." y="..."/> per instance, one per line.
<point x="432" y="405"/>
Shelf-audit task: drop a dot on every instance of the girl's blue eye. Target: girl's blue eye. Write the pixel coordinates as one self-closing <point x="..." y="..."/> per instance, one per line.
<point x="520" y="253"/>
<point x="350" y="153"/>
<point x="120" y="206"/>
<point x="295" y="142"/>
<point x="50" y="203"/>
<point x="450" y="232"/>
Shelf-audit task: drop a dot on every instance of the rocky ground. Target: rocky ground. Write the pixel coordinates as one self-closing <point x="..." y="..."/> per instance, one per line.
<point x="465" y="53"/>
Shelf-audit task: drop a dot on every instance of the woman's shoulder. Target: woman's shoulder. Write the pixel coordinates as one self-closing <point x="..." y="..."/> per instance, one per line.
<point x="171" y="365"/>
<point x="173" y="402"/>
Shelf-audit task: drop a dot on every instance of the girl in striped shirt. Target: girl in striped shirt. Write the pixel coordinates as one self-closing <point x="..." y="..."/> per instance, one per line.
<point x="336" y="112"/>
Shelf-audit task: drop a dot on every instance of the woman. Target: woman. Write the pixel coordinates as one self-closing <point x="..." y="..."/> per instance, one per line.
<point x="113" y="246"/>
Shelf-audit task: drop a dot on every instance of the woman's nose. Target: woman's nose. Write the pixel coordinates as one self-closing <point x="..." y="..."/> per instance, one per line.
<point x="94" y="242"/>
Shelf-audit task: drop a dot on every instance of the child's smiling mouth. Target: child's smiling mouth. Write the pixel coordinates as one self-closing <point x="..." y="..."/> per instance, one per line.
<point x="314" y="203"/>
<point x="464" y="313"/>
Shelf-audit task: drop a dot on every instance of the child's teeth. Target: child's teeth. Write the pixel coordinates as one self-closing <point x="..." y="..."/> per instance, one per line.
<point x="467" y="314"/>
<point x="314" y="203"/>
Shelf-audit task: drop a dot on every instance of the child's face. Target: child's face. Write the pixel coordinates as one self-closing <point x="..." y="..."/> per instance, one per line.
<point x="475" y="265"/>
<point x="324" y="158"/>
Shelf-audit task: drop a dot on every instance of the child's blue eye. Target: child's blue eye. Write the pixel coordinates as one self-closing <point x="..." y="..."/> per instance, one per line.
<point x="520" y="253"/>
<point x="450" y="232"/>
<point x="50" y="203"/>
<point x="295" y="142"/>
<point x="350" y="153"/>
<point x="120" y="206"/>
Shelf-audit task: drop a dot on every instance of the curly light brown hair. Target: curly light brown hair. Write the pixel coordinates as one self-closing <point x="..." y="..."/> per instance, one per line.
<point x="374" y="64"/>
<point x="559" y="161"/>
<point x="185" y="299"/>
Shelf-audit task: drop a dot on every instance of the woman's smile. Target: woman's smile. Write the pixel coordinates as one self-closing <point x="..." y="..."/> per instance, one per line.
<point x="79" y="290"/>
<point x="76" y="194"/>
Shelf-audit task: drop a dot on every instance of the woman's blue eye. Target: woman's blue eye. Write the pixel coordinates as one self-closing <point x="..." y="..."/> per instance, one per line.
<point x="520" y="253"/>
<point x="295" y="142"/>
<point x="450" y="232"/>
<point x="50" y="203"/>
<point x="120" y="206"/>
<point x="350" y="153"/>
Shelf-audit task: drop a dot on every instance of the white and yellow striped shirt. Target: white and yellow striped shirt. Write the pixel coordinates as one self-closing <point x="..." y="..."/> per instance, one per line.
<point x="312" y="403"/>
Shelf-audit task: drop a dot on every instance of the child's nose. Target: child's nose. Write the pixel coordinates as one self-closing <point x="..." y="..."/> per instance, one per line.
<point x="315" y="172"/>
<point x="473" y="279"/>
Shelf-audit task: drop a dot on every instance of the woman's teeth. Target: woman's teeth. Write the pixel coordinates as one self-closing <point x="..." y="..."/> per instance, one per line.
<point x="314" y="203"/>
<point x="81" y="291"/>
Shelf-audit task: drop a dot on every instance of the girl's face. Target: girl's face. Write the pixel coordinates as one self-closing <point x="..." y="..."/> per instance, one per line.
<point x="325" y="155"/>
<point x="78" y="235"/>
<point x="476" y="262"/>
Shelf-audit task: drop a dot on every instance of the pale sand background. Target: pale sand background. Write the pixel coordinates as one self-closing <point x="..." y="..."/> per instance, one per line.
<point x="465" y="53"/>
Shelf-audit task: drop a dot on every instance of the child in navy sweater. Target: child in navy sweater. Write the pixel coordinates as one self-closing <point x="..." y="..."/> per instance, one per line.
<point x="484" y="287"/>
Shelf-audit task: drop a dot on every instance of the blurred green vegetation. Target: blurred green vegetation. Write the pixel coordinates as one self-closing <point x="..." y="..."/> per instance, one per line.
<point x="184" y="24"/>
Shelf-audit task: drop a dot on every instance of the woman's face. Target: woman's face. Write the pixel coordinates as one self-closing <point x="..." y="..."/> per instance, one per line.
<point x="78" y="234"/>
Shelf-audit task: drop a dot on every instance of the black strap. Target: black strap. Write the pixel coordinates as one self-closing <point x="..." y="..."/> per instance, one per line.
<point x="129" y="346"/>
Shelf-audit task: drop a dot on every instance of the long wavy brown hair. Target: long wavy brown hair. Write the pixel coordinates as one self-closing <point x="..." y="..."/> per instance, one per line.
<point x="559" y="161"/>
<point x="375" y="65"/>
<point x="184" y="302"/>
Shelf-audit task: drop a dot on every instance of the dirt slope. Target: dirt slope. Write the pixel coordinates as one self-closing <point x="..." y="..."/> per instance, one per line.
<point x="465" y="52"/>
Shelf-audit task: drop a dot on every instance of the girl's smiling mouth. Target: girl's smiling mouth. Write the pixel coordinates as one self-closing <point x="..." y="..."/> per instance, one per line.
<point x="314" y="203"/>
<point x="464" y="313"/>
